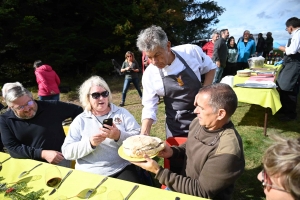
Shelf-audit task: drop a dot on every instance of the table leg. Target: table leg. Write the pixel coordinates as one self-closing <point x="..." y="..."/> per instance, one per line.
<point x="266" y="121"/>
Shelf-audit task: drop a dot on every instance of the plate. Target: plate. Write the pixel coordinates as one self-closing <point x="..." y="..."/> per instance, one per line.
<point x="254" y="85"/>
<point x="125" y="157"/>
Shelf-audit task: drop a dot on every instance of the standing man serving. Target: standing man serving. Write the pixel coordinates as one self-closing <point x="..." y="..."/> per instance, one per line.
<point x="220" y="55"/>
<point x="289" y="77"/>
<point x="175" y="74"/>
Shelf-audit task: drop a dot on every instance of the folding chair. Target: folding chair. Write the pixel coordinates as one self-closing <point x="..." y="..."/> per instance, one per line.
<point x="117" y="67"/>
<point x="172" y="141"/>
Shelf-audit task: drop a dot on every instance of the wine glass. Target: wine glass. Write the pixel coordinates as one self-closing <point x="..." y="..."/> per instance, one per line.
<point x="52" y="176"/>
<point x="82" y="194"/>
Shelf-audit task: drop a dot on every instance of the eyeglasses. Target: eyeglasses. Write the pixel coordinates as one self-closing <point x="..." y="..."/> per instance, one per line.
<point x="267" y="183"/>
<point x="96" y="95"/>
<point x="29" y="103"/>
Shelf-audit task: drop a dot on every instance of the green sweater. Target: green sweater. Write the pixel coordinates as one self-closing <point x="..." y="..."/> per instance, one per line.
<point x="214" y="160"/>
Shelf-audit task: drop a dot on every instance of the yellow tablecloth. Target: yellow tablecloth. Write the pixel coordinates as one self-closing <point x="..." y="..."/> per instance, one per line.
<point x="267" y="98"/>
<point x="79" y="181"/>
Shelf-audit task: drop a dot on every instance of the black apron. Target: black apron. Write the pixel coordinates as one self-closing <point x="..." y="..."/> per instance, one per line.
<point x="180" y="92"/>
<point x="290" y="73"/>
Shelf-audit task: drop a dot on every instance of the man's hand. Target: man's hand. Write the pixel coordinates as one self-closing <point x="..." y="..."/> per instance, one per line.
<point x="53" y="157"/>
<point x="149" y="165"/>
<point x="167" y="152"/>
<point x="276" y="45"/>
<point x="218" y="63"/>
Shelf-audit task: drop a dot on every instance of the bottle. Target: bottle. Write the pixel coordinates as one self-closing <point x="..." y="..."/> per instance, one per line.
<point x="273" y="60"/>
<point x="269" y="59"/>
<point x="266" y="59"/>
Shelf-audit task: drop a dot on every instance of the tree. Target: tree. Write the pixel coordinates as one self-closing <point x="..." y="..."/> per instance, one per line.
<point x="80" y="37"/>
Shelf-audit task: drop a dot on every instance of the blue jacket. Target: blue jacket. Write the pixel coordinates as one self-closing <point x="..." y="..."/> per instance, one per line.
<point x="244" y="52"/>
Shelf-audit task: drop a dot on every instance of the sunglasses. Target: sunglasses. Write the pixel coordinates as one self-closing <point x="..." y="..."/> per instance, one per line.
<point x="29" y="103"/>
<point x="96" y="95"/>
<point x="267" y="183"/>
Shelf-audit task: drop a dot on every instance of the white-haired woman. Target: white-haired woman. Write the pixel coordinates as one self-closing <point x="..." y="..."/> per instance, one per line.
<point x="93" y="145"/>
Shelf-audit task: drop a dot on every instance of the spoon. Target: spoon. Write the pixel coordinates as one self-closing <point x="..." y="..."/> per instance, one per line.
<point x="91" y="191"/>
<point x="81" y="194"/>
<point x="131" y="192"/>
<point x="27" y="172"/>
<point x="3" y="162"/>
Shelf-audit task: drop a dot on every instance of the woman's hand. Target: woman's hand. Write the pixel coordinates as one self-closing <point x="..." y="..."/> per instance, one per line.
<point x="96" y="139"/>
<point x="111" y="132"/>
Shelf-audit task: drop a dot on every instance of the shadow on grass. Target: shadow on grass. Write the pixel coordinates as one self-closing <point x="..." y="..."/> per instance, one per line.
<point x="256" y="115"/>
<point x="243" y="191"/>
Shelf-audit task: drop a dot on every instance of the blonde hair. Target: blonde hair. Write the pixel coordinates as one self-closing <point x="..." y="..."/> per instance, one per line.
<point x="84" y="91"/>
<point x="283" y="159"/>
<point x="129" y="53"/>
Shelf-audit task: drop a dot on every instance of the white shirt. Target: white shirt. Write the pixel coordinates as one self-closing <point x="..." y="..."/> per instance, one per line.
<point x="152" y="82"/>
<point x="295" y="43"/>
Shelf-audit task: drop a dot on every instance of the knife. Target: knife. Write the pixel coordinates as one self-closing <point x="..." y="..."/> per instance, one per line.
<point x="131" y="192"/>
<point x="66" y="176"/>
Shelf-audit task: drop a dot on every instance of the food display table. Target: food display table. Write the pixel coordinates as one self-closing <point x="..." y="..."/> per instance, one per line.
<point x="267" y="98"/>
<point x="78" y="181"/>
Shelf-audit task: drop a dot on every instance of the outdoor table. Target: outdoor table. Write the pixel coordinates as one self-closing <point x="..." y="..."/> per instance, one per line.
<point x="78" y="181"/>
<point x="267" y="98"/>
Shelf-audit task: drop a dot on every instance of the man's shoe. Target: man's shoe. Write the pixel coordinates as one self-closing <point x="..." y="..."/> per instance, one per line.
<point x="121" y="104"/>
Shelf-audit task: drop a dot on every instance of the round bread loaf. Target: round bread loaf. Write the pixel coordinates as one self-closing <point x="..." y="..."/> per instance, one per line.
<point x="138" y="145"/>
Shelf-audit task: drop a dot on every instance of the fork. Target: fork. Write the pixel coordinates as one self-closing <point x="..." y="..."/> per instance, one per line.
<point x="91" y="191"/>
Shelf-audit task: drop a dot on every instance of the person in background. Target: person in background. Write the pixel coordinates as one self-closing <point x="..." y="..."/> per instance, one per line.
<point x="289" y="76"/>
<point x="232" y="53"/>
<point x="208" y="48"/>
<point x="32" y="129"/>
<point x="175" y="74"/>
<point x="131" y="69"/>
<point x="213" y="153"/>
<point x="145" y="61"/>
<point x="281" y="169"/>
<point x="94" y="144"/>
<point x="246" y="48"/>
<point x="47" y="80"/>
<point x="260" y="45"/>
<point x="268" y="44"/>
<point x="220" y="55"/>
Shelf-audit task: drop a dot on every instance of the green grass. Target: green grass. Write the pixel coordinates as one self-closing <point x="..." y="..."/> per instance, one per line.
<point x="248" y="120"/>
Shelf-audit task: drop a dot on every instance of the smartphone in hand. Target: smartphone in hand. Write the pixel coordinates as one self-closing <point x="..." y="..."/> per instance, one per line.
<point x="108" y="121"/>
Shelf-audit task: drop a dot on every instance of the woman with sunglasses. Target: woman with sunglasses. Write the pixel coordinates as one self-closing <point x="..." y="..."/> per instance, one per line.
<point x="93" y="144"/>
<point x="131" y="68"/>
<point x="280" y="176"/>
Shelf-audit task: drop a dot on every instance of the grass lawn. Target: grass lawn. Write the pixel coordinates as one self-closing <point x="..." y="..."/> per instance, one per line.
<point x="248" y="120"/>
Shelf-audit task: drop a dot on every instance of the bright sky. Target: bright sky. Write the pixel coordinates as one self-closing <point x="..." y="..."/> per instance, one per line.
<point x="258" y="16"/>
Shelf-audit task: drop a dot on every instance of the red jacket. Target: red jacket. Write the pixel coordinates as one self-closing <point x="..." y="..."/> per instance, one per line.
<point x="48" y="81"/>
<point x="208" y="48"/>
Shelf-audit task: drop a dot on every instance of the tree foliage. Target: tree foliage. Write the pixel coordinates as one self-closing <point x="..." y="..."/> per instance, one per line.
<point x="81" y="36"/>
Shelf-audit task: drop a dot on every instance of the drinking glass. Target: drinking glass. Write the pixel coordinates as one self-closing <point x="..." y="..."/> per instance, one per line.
<point x="52" y="176"/>
<point x="115" y="195"/>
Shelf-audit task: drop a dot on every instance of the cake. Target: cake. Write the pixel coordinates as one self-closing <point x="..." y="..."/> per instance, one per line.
<point x="138" y="145"/>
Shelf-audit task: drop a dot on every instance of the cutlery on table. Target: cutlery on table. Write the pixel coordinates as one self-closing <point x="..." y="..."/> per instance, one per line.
<point x="3" y="162"/>
<point x="66" y="176"/>
<point x="131" y="192"/>
<point x="27" y="172"/>
<point x="91" y="191"/>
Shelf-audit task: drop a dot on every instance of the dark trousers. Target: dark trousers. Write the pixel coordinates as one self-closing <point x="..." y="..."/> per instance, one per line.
<point x="289" y="101"/>
<point x="241" y="65"/>
<point x="129" y="173"/>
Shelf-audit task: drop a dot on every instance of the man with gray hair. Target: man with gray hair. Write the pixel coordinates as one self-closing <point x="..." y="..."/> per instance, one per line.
<point x="208" y="48"/>
<point x="213" y="153"/>
<point x="220" y="55"/>
<point x="33" y="129"/>
<point x="174" y="74"/>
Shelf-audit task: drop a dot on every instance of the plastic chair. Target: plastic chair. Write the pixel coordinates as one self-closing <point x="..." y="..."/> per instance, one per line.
<point x="172" y="141"/>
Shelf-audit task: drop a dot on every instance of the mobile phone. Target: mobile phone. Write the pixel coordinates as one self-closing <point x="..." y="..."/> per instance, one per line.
<point x="108" y="121"/>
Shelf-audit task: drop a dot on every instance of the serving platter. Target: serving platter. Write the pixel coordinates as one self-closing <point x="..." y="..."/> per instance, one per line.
<point x="125" y="157"/>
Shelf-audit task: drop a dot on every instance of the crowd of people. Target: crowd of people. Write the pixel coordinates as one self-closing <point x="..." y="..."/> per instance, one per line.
<point x="200" y="110"/>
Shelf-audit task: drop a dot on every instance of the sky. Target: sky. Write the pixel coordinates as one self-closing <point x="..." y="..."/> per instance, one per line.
<point x="258" y="16"/>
